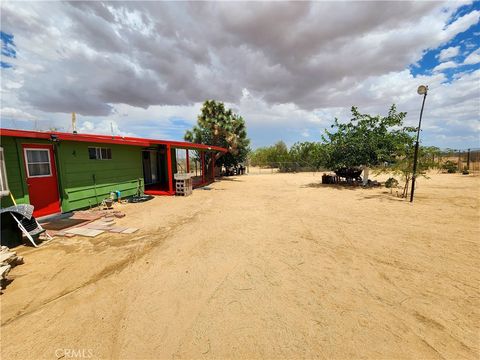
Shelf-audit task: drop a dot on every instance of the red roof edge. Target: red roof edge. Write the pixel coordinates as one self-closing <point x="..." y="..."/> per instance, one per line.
<point x="106" y="139"/>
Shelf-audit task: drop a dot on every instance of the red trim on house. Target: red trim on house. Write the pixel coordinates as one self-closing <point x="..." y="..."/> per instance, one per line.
<point x="106" y="139"/>
<point x="125" y="140"/>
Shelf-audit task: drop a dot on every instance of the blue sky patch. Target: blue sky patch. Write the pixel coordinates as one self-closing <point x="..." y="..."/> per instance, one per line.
<point x="8" y="49"/>
<point x="8" y="46"/>
<point x="5" y="65"/>
<point x="467" y="42"/>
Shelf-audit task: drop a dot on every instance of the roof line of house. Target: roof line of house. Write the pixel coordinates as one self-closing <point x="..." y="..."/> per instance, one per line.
<point x="106" y="139"/>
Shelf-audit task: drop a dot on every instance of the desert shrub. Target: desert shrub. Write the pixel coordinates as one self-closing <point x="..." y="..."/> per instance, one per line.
<point x="391" y="183"/>
<point x="450" y="167"/>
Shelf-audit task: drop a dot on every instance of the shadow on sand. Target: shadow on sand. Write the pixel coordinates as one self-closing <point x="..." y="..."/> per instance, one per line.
<point x="335" y="186"/>
<point x="225" y="178"/>
<point x="384" y="195"/>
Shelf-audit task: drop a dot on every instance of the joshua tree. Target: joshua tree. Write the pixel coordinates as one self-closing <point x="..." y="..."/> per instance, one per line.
<point x="220" y="126"/>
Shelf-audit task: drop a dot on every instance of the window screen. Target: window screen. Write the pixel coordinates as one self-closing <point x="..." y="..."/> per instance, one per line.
<point x="92" y="153"/>
<point x="38" y="162"/>
<point x="99" y="153"/>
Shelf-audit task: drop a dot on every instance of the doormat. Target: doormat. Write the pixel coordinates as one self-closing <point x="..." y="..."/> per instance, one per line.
<point x="63" y="223"/>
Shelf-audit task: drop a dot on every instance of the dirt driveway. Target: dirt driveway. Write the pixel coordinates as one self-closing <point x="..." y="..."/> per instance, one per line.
<point x="261" y="266"/>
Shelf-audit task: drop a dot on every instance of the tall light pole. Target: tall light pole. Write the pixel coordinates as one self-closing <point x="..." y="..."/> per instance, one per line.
<point x="422" y="90"/>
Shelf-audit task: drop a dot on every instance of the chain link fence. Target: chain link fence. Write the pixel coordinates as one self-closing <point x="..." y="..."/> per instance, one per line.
<point x="460" y="160"/>
<point x="282" y="167"/>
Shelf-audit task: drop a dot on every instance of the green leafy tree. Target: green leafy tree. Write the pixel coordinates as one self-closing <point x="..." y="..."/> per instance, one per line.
<point x="310" y="155"/>
<point x="259" y="156"/>
<point x="434" y="155"/>
<point x="271" y="156"/>
<point x="301" y="156"/>
<point x="366" y="140"/>
<point x="220" y="126"/>
<point x="375" y="140"/>
<point x="279" y="153"/>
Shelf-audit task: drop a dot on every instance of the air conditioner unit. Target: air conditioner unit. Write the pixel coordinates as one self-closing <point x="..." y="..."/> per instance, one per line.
<point x="4" y="191"/>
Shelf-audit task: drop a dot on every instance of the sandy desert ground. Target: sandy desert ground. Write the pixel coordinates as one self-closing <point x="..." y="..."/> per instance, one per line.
<point x="261" y="267"/>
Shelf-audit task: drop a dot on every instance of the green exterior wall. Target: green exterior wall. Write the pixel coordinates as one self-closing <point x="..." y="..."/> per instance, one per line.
<point x="83" y="182"/>
<point x="12" y="150"/>
<point x="86" y="182"/>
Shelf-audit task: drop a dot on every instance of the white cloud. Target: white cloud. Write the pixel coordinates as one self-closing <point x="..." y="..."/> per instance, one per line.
<point x="104" y="126"/>
<point x="143" y="65"/>
<point x="448" y="53"/>
<point x="306" y="133"/>
<point x="460" y="25"/>
<point x="15" y="114"/>
<point x="472" y="58"/>
<point x="445" y="65"/>
<point x="145" y="54"/>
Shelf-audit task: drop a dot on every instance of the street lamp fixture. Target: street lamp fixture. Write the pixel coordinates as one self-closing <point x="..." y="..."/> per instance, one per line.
<point x="422" y="90"/>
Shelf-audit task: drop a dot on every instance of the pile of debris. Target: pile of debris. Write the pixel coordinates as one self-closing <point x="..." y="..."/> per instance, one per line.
<point x="97" y="227"/>
<point x="87" y="223"/>
<point x="8" y="260"/>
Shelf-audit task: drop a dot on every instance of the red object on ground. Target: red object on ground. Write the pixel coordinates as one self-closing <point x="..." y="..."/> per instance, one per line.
<point x="158" y="192"/>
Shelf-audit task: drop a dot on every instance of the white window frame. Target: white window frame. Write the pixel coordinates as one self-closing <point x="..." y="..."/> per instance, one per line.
<point x="98" y="151"/>
<point x="4" y="190"/>
<point x="26" y="162"/>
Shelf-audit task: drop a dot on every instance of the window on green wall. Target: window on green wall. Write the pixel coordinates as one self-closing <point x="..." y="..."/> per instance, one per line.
<point x="99" y="153"/>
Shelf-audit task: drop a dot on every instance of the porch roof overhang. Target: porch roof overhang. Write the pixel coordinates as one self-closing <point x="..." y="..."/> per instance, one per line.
<point x="106" y="139"/>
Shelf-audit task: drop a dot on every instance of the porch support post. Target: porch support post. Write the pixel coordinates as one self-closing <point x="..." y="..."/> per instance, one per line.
<point x="212" y="156"/>
<point x="188" y="162"/>
<point x="169" y="168"/>
<point x="203" y="167"/>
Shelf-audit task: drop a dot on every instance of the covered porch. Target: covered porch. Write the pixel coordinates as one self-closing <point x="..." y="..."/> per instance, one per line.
<point x="162" y="161"/>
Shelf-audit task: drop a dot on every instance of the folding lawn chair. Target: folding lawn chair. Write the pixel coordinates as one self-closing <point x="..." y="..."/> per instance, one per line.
<point x="23" y="215"/>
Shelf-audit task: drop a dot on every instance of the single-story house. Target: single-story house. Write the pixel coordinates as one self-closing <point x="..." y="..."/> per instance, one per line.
<point x="60" y="172"/>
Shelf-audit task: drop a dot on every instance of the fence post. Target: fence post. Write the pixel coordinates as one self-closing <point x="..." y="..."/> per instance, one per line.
<point x="203" y="167"/>
<point x="468" y="159"/>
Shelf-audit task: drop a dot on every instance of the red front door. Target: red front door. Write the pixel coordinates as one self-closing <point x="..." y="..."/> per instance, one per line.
<point x="41" y="179"/>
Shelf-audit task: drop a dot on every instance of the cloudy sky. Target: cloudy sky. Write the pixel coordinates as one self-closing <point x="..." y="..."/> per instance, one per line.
<point x="289" y="69"/>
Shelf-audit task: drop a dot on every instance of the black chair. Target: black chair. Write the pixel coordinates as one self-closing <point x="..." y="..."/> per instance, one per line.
<point x="26" y="222"/>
